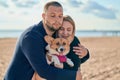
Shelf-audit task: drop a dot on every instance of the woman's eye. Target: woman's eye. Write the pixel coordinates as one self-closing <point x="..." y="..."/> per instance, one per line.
<point x="69" y="29"/>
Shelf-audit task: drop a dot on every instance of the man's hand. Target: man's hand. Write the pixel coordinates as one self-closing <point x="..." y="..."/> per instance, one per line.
<point x="79" y="75"/>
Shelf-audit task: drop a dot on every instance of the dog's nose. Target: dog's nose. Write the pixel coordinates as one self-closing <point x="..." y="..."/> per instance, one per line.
<point x="61" y="49"/>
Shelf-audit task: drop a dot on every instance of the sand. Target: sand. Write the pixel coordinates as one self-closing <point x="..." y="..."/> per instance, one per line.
<point x="104" y="62"/>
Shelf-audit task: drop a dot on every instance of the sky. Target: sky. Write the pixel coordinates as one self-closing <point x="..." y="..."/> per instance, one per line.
<point x="87" y="14"/>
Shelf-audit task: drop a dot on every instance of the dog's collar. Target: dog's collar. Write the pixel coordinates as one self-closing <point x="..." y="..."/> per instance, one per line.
<point x="62" y="58"/>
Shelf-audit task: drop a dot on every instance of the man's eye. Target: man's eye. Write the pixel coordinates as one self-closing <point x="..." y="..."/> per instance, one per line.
<point x="60" y="16"/>
<point x="52" y="16"/>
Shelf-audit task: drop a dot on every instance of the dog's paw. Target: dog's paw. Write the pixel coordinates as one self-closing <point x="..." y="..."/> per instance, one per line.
<point x="56" y="60"/>
<point x="59" y="66"/>
<point x="69" y="62"/>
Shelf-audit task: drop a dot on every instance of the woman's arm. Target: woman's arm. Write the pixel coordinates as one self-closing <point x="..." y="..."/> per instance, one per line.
<point x="81" y="51"/>
<point x="85" y="58"/>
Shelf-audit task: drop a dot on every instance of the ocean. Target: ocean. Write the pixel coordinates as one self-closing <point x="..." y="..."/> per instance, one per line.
<point x="79" y="33"/>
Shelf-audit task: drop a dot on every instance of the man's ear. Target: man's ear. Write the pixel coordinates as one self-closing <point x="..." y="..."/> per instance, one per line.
<point x="48" y="39"/>
<point x="43" y="15"/>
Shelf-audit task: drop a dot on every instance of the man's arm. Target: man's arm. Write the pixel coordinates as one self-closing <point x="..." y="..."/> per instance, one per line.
<point x="34" y="50"/>
<point x="78" y="75"/>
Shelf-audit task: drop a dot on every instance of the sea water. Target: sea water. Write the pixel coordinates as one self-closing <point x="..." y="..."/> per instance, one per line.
<point x="78" y="33"/>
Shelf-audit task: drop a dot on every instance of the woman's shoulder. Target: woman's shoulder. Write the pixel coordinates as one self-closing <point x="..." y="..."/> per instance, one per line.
<point x="76" y="39"/>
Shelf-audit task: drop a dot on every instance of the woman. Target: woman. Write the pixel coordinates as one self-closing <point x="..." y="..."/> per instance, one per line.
<point x="78" y="53"/>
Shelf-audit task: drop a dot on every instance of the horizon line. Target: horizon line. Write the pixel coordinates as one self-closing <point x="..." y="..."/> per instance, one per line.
<point x="85" y="30"/>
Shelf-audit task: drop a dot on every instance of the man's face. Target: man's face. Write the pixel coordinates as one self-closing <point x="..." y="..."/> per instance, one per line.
<point x="53" y="18"/>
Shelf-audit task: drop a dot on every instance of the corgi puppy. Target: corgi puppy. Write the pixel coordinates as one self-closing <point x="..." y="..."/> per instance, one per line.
<point x="58" y="48"/>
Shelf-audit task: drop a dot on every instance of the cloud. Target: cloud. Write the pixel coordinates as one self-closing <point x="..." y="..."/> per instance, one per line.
<point x="3" y="3"/>
<point x="90" y="7"/>
<point x="25" y="3"/>
<point x="98" y="10"/>
<point x="74" y="3"/>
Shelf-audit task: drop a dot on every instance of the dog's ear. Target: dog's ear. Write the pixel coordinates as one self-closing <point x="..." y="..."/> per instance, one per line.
<point x="48" y="39"/>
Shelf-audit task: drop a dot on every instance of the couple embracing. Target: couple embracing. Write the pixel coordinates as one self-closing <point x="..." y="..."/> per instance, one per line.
<point x="29" y="57"/>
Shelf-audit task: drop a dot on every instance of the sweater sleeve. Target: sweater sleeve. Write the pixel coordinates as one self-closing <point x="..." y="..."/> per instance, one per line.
<point x="34" y="50"/>
<point x="85" y="58"/>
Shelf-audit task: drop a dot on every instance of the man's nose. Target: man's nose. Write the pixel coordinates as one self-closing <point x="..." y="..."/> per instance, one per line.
<point x="57" y="19"/>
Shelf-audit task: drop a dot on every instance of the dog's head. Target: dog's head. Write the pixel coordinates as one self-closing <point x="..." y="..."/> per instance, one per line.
<point x="58" y="46"/>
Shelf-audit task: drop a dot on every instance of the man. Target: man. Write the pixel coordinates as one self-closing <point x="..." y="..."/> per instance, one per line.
<point x="30" y="51"/>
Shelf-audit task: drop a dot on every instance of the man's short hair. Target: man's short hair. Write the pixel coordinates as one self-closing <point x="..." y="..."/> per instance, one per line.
<point x="51" y="3"/>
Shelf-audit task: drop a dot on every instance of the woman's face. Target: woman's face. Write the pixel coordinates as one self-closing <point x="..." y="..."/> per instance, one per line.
<point x="66" y="30"/>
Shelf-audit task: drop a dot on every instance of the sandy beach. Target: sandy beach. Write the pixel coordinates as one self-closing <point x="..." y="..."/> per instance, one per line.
<point x="104" y="62"/>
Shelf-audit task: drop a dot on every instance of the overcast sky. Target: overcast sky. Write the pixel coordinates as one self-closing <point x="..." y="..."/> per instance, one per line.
<point x="87" y="14"/>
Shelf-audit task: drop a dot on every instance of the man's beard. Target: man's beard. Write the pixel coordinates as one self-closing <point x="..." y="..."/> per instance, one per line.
<point x="51" y="28"/>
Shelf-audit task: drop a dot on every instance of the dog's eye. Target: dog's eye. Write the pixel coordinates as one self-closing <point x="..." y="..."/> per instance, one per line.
<point x="64" y="43"/>
<point x="57" y="43"/>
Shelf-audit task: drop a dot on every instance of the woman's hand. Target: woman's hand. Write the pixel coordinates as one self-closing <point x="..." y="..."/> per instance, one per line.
<point x="80" y="50"/>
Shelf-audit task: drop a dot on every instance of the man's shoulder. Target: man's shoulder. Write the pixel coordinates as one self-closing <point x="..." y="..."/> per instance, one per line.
<point x="36" y="30"/>
<point x="36" y="27"/>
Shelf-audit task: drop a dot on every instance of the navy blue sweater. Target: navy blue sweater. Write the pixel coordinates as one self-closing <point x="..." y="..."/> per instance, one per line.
<point x="29" y="56"/>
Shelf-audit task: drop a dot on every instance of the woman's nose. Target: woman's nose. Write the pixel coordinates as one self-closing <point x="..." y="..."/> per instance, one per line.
<point x="65" y="32"/>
